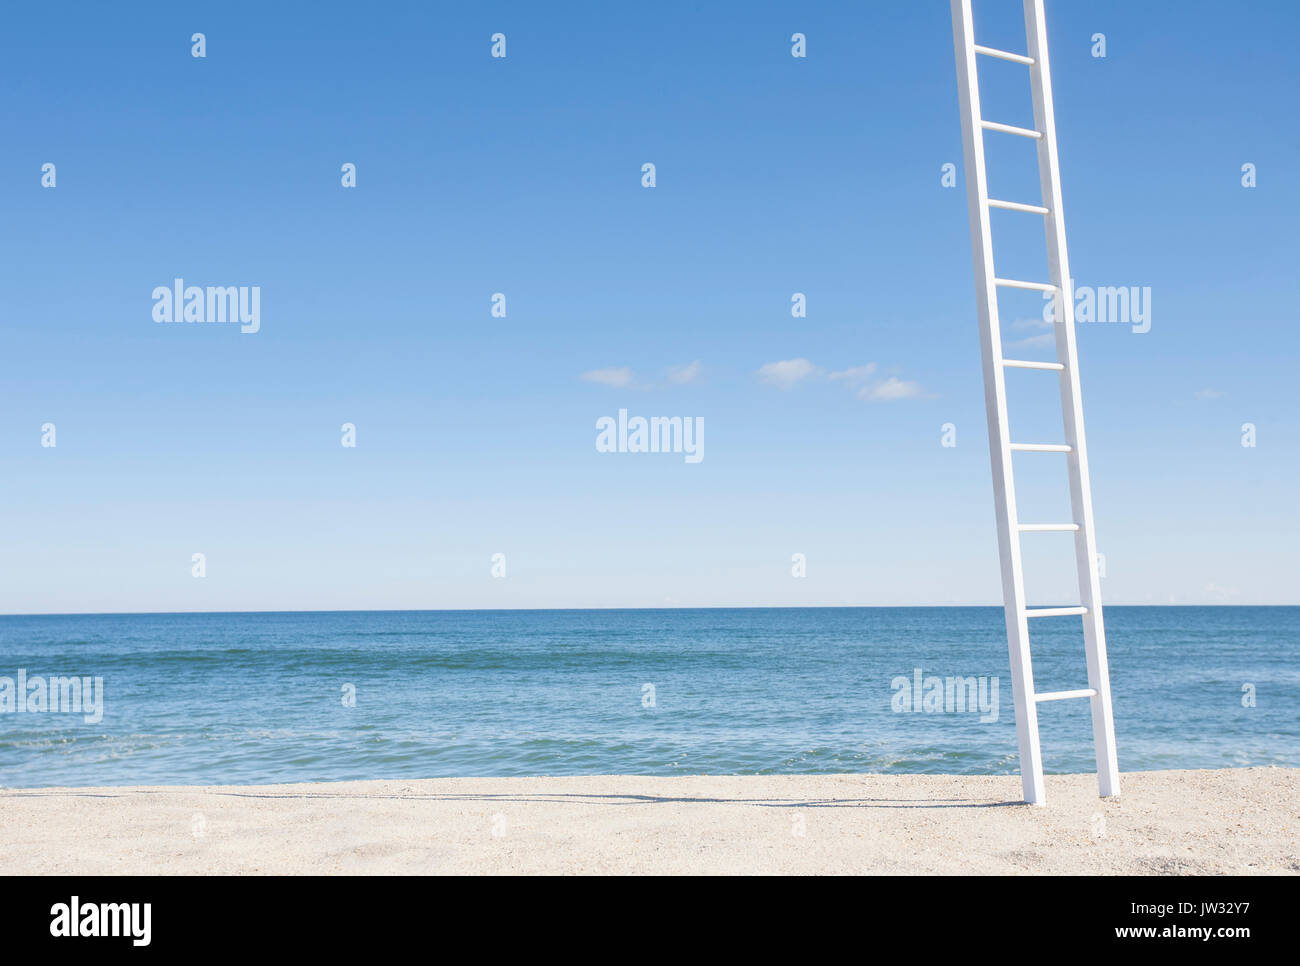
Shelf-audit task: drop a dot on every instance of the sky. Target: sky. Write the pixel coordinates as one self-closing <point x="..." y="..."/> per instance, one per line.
<point x="523" y="175"/>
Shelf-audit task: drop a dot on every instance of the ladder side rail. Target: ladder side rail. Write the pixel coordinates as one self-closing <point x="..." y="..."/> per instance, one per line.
<point x="1004" y="500"/>
<point x="1085" y="541"/>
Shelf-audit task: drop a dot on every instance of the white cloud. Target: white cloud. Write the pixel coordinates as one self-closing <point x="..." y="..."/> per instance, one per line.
<point x="1043" y="339"/>
<point x="891" y="389"/>
<point x="619" y="377"/>
<point x="787" y="373"/>
<point x="684" y="374"/>
<point x="856" y="373"/>
<point x="1047" y="338"/>
<point x="1210" y="394"/>
<point x="791" y="372"/>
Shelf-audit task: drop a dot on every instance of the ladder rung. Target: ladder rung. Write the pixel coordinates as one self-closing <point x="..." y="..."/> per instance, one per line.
<point x="1024" y="132"/>
<point x="1041" y="447"/>
<point x="1047" y="527"/>
<point x="1062" y="695"/>
<point x="1016" y="283"/>
<point x="1003" y="55"/>
<point x="1055" y="611"/>
<point x="1023" y="364"/>
<point x="1018" y="206"/>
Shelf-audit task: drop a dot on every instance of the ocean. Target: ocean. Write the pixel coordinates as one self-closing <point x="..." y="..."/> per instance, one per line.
<point x="209" y="699"/>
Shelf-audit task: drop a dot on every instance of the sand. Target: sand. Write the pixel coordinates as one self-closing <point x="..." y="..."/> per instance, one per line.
<point x="1237" y="821"/>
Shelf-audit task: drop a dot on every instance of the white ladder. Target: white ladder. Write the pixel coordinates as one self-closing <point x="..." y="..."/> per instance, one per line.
<point x="1000" y="446"/>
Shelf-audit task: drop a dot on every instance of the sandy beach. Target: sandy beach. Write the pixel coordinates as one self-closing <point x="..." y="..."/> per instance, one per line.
<point x="1234" y="821"/>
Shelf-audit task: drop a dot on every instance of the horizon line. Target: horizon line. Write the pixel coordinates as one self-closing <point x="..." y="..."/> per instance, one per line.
<point x="495" y="610"/>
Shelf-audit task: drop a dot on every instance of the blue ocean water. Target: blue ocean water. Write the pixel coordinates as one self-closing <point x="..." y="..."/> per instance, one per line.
<point x="253" y="698"/>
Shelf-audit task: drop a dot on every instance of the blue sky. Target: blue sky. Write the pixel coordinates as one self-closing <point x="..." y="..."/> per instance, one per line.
<point x="775" y="175"/>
